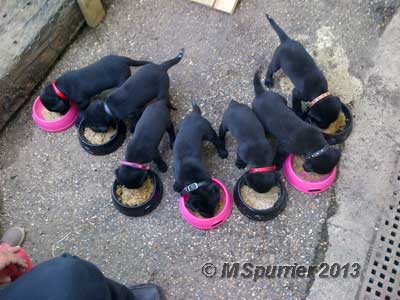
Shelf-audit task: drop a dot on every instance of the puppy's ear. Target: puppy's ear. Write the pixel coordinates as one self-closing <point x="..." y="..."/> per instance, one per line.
<point x="337" y="153"/>
<point x="307" y="166"/>
<point x="190" y="204"/>
<point x="178" y="187"/>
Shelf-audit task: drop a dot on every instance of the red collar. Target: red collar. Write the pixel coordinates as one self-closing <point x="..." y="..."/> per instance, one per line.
<point x="134" y="165"/>
<point x="58" y="92"/>
<point x="262" y="170"/>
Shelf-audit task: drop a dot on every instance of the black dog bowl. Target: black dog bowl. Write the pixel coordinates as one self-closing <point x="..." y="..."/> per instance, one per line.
<point x="116" y="141"/>
<point x="258" y="214"/>
<point x="342" y="135"/>
<point x="142" y="209"/>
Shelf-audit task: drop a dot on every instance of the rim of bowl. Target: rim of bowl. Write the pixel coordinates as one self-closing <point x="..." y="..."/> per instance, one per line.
<point x="325" y="180"/>
<point x="221" y="212"/>
<point x="40" y="117"/>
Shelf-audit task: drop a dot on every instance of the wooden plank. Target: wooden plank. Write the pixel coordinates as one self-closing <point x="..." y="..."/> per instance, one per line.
<point x="93" y="11"/>
<point x="33" y="36"/>
<point x="205" y="2"/>
<point x="227" y="6"/>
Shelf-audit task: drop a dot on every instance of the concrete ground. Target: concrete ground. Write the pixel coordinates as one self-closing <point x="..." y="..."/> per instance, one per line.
<point x="61" y="194"/>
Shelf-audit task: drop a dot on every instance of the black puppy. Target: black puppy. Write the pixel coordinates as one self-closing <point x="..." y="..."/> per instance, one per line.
<point x="293" y="134"/>
<point x="309" y="81"/>
<point x="253" y="146"/>
<point x="128" y="101"/>
<point x="80" y="85"/>
<point x="143" y="146"/>
<point x="191" y="175"/>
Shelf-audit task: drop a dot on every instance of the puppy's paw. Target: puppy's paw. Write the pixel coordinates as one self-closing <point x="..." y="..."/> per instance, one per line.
<point x="177" y="187"/>
<point x="163" y="167"/>
<point x="223" y="153"/>
<point x="269" y="82"/>
<point x="240" y="164"/>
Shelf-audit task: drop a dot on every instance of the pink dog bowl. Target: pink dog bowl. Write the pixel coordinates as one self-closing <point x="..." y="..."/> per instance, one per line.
<point x="308" y="187"/>
<point x="61" y="124"/>
<point x="209" y="223"/>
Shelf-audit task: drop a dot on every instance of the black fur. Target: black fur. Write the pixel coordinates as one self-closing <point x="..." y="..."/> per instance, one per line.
<point x="293" y="134"/>
<point x="253" y="147"/>
<point x="188" y="166"/>
<point x="143" y="146"/>
<point x="308" y="79"/>
<point x="81" y="85"/>
<point x="129" y="100"/>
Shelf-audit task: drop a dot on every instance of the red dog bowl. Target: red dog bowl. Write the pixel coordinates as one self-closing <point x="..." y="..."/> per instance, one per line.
<point x="63" y="123"/>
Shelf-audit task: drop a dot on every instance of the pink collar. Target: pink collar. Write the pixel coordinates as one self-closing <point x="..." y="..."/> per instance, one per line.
<point x="134" y="165"/>
<point x="262" y="170"/>
<point x="58" y="92"/>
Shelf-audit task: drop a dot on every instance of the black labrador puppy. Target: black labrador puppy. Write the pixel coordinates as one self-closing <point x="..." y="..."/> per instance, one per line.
<point x="81" y="85"/>
<point x="190" y="173"/>
<point x="129" y="100"/>
<point x="253" y="147"/>
<point x="143" y="146"/>
<point x="309" y="81"/>
<point x="292" y="133"/>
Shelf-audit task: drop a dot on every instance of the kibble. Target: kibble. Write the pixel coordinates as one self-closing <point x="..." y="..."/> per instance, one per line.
<point x="337" y="125"/>
<point x="99" y="138"/>
<point x="134" y="197"/>
<point x="259" y="201"/>
<point x="50" y="115"/>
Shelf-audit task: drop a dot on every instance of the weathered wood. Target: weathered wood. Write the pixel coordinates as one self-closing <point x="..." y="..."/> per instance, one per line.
<point x="32" y="38"/>
<point x="227" y="6"/>
<point x="93" y="11"/>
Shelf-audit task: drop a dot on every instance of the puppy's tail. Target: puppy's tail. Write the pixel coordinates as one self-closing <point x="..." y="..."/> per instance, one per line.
<point x="279" y="31"/>
<point x="258" y="87"/>
<point x="196" y="107"/>
<point x="169" y="63"/>
<point x="137" y="63"/>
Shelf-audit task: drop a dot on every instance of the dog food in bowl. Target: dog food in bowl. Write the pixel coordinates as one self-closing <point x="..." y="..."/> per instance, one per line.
<point x="337" y="125"/>
<point x="50" y="115"/>
<point x="134" y="197"/>
<point x="218" y="208"/>
<point x="99" y="138"/>
<point x="259" y="201"/>
<point x="298" y="162"/>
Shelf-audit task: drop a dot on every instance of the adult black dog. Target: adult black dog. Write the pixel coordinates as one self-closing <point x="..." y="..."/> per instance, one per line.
<point x="128" y="101"/>
<point x="309" y="81"/>
<point x="143" y="146"/>
<point x="81" y="85"/>
<point x="293" y="134"/>
<point x="253" y="147"/>
<point x="191" y="175"/>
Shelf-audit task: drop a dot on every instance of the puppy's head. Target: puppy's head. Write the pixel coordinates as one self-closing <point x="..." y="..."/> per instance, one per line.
<point x="204" y="200"/>
<point x="52" y="102"/>
<point x="96" y="117"/>
<point x="130" y="177"/>
<point x="324" y="163"/>
<point x="261" y="182"/>
<point x="325" y="112"/>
